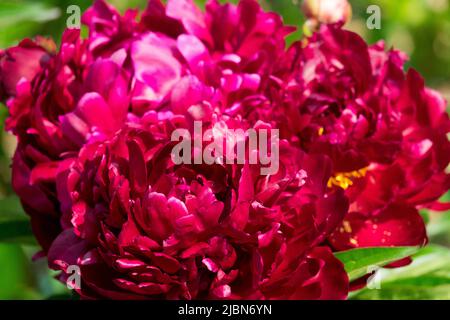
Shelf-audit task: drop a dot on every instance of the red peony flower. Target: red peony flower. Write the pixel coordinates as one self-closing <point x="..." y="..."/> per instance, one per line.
<point x="142" y="227"/>
<point x="53" y="114"/>
<point x="385" y="132"/>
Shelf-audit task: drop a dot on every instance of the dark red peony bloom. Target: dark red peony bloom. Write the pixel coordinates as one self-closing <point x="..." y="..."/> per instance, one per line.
<point x="384" y="130"/>
<point x="142" y="227"/>
<point x="55" y="107"/>
<point x="53" y="113"/>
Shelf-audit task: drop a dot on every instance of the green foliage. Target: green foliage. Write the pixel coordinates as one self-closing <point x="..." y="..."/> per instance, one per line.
<point x="357" y="262"/>
<point x="19" y="18"/>
<point x="428" y="277"/>
<point x="28" y="18"/>
<point x="15" y="280"/>
<point x="418" y="27"/>
<point x="21" y="278"/>
<point x="14" y="224"/>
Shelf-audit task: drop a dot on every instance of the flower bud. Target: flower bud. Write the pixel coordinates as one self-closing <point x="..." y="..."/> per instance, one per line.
<point x="22" y="61"/>
<point x="327" y="11"/>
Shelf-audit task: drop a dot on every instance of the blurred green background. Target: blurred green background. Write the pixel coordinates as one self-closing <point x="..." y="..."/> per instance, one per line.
<point x="421" y="28"/>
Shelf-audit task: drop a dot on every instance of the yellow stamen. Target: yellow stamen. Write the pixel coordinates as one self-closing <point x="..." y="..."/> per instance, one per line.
<point x="347" y="226"/>
<point x="345" y="179"/>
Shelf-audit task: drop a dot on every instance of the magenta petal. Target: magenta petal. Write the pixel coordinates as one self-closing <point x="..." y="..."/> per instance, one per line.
<point x="154" y="64"/>
<point x="192" y="49"/>
<point x="90" y="107"/>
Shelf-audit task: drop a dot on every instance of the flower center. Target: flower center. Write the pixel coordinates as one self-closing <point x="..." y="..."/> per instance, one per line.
<point x="345" y="179"/>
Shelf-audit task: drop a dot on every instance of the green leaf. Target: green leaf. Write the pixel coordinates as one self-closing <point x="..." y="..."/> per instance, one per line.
<point x="425" y="216"/>
<point x="17" y="232"/>
<point x="16" y="278"/>
<point x="14" y="12"/>
<point x="68" y="295"/>
<point x="62" y="296"/>
<point x="428" y="277"/>
<point x="14" y="223"/>
<point x="11" y="209"/>
<point x="399" y="291"/>
<point x="21" y="19"/>
<point x="439" y="226"/>
<point x="357" y="262"/>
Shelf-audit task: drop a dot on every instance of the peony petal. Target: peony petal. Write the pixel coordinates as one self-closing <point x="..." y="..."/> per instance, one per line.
<point x="397" y="225"/>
